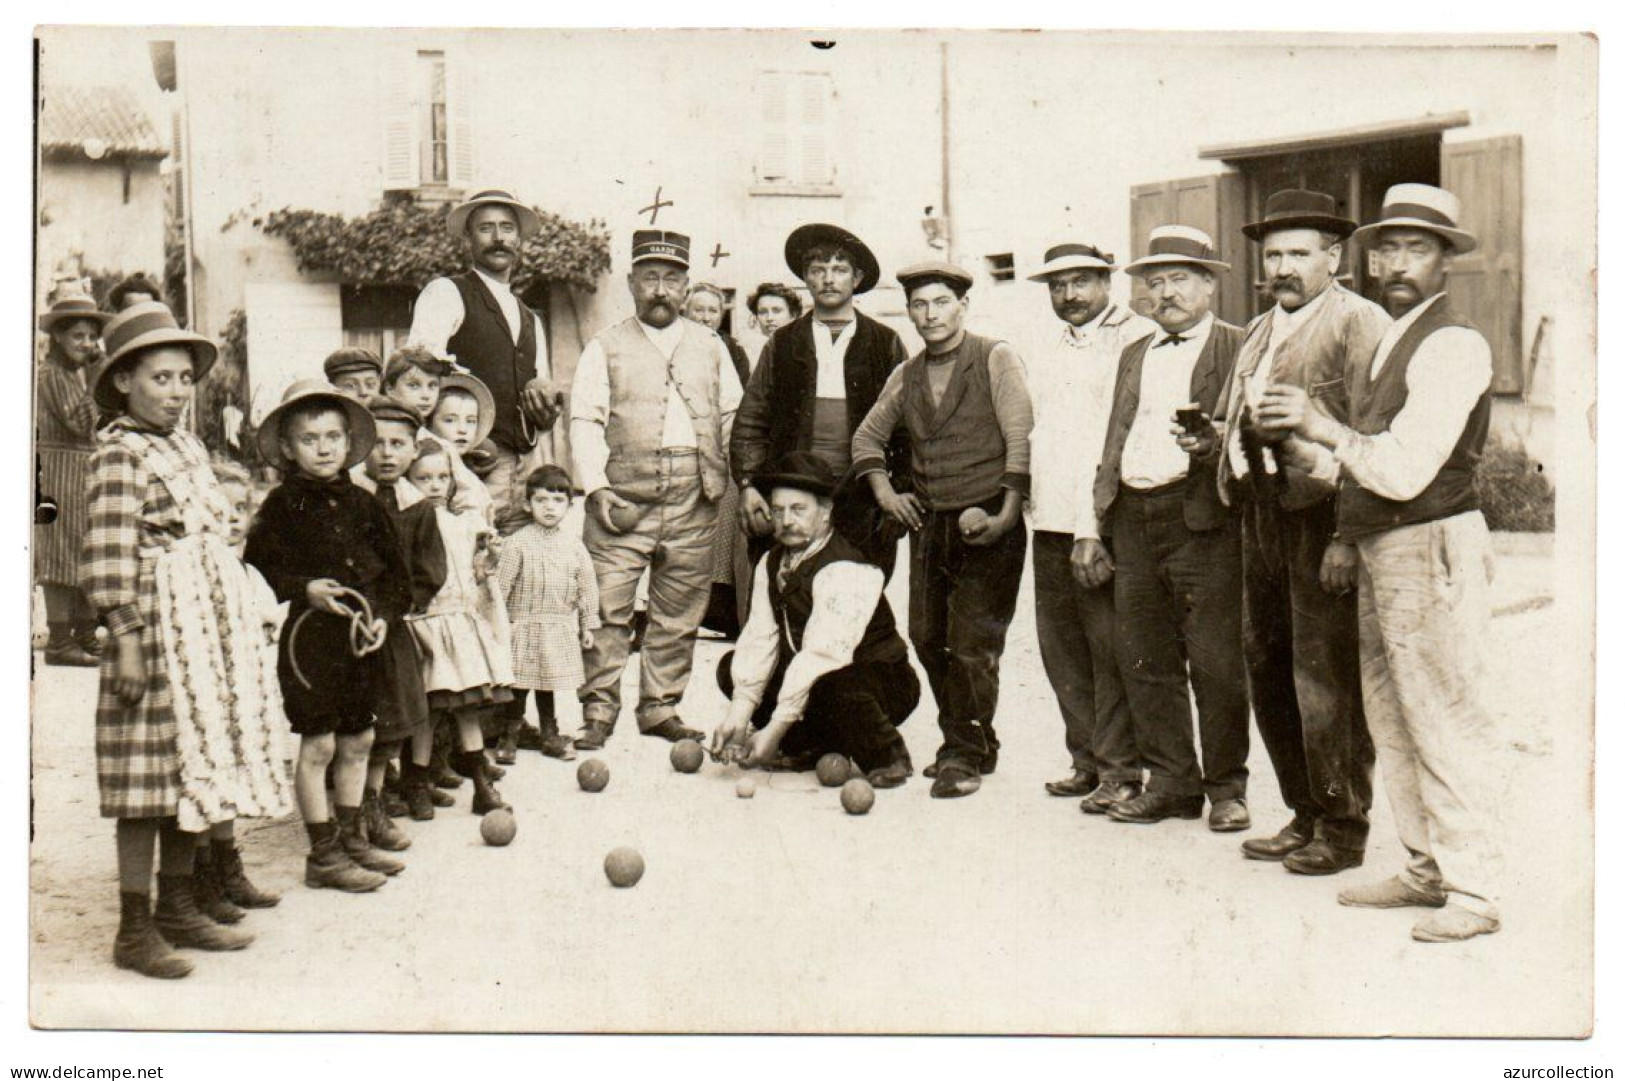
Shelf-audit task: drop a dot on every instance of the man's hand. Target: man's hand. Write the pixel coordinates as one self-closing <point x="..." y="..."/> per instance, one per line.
<point x="1286" y="409"/>
<point x="1339" y="568"/>
<point x="323" y="595"/>
<point x="542" y="403"/>
<point x="600" y="503"/>
<point x="1298" y="454"/>
<point x="905" y="508"/>
<point x="1198" y="442"/>
<point x="763" y="745"/>
<point x="991" y="528"/>
<point x="1091" y="563"/>
<point x="130" y="679"/>
<point x="730" y="733"/>
<point x="753" y="512"/>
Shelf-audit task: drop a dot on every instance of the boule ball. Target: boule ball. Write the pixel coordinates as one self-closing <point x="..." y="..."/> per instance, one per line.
<point x="972" y="520"/>
<point x="624" y="867"/>
<point x="745" y="789"/>
<point x="686" y="756"/>
<point x="833" y="770"/>
<point x="592" y="775"/>
<point x="857" y="796"/>
<point x="498" y="827"/>
<point x="624" y="517"/>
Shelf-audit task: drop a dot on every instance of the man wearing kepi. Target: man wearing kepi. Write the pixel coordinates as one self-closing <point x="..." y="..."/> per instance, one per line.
<point x="653" y="399"/>
<point x="1300" y="623"/>
<point x="820" y="666"/>
<point x="476" y="317"/>
<point x="816" y="381"/>
<point x="1155" y="508"/>
<point x="1418" y="416"/>
<point x="964" y="402"/>
<point x="1072" y="381"/>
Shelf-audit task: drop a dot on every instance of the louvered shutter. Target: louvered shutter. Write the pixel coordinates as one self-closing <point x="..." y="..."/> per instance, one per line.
<point x="400" y="143"/>
<point x="813" y="129"/>
<point x="774" y="167"/>
<point x="459" y="110"/>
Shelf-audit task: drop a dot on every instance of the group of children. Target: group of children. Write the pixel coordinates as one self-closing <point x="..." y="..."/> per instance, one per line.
<point x="412" y="634"/>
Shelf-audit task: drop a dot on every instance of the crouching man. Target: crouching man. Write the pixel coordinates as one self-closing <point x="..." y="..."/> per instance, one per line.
<point x="820" y="666"/>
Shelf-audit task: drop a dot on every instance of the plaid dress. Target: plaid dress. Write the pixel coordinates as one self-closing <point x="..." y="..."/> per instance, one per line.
<point x="551" y="592"/>
<point x="205" y="743"/>
<point x="65" y="424"/>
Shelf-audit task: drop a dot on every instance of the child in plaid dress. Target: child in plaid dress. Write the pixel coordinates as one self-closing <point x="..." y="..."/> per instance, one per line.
<point x="188" y="733"/>
<point x="551" y="591"/>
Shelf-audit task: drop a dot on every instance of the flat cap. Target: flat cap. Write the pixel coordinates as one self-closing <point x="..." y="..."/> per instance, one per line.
<point x="935" y="270"/>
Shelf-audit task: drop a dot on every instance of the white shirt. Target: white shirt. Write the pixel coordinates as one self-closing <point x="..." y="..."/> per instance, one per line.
<point x="589" y="402"/>
<point x="438" y="315"/>
<point x="1072" y="379"/>
<point x="832" y="359"/>
<point x="1447" y="375"/>
<point x="1151" y="457"/>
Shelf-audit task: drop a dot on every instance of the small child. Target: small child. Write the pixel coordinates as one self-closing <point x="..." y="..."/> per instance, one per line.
<point x="414" y="377"/>
<point x="321" y="543"/>
<point x="551" y="591"/>
<point x="357" y="372"/>
<point x="466" y="669"/>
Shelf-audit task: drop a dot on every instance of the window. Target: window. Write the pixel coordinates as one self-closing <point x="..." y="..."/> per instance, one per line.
<point x="428" y="137"/>
<point x="1002" y="268"/>
<point x="433" y="133"/>
<point x="376" y="317"/>
<point x="794" y="155"/>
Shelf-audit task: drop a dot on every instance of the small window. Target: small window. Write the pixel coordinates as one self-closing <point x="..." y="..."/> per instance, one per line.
<point x="433" y="139"/>
<point x="1002" y="267"/>
<point x="795" y="112"/>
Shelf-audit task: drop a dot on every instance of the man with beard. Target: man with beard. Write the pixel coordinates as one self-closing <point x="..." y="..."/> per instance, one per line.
<point x="1300" y="624"/>
<point x="1177" y="549"/>
<point x="816" y="381"/>
<point x="653" y="398"/>
<point x="476" y="317"/>
<point x="1419" y="412"/>
<point x="1071" y="379"/>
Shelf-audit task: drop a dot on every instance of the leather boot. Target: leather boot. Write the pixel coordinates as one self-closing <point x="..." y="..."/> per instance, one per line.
<point x="211" y="898"/>
<point x="179" y="919"/>
<point x="415" y="787"/>
<point x="472" y="764"/>
<point x="329" y="867"/>
<point x="62" y="650"/>
<point x="441" y="774"/>
<point x="139" y="947"/>
<point x="234" y="883"/>
<point x="354" y="841"/>
<point x="380" y="831"/>
<point x="88" y="640"/>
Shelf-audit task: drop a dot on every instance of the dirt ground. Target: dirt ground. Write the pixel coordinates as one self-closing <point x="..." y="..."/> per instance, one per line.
<point x="1003" y="912"/>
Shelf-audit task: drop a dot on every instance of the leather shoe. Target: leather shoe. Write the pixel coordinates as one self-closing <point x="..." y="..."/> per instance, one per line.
<point x="1293" y="836"/>
<point x="1321" y="857"/>
<point x="1079" y="784"/>
<point x="674" y="730"/>
<point x="1229" y="816"/>
<point x="594" y="734"/>
<point x="1453" y="923"/>
<point x="1390" y="893"/>
<point x="1108" y="794"/>
<point x="1150" y="807"/>
<point x="990" y="762"/>
<point x="954" y="780"/>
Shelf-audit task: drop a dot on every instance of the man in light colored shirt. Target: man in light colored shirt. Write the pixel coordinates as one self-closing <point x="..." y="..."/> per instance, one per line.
<point x="1071" y="379"/>
<point x="1300" y="619"/>
<point x="650" y="408"/>
<point x="1418" y="418"/>
<point x="1177" y="548"/>
<point x="820" y="666"/>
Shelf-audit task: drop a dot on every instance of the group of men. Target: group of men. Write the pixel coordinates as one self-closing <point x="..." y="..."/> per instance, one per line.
<point x="1278" y="519"/>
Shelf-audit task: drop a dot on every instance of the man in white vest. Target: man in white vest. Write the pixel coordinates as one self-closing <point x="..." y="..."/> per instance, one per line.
<point x="651" y="409"/>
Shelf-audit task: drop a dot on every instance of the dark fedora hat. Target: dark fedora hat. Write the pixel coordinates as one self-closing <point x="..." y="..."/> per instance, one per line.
<point x="801" y="470"/>
<point x="70" y="309"/>
<point x="1296" y="208"/>
<point x="137" y="328"/>
<point x="822" y="235"/>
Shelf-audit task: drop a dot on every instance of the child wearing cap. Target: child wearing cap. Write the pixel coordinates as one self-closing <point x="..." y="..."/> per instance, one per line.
<point x="327" y="548"/>
<point x="414" y="377"/>
<point x="355" y="371"/>
<point x="187" y="731"/>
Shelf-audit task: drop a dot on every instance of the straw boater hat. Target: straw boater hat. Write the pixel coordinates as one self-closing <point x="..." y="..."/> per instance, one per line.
<point x="1421" y="206"/>
<point x="363" y="434"/>
<point x="819" y="235"/>
<point x="458" y="219"/>
<point x="70" y="309"/>
<point x="1177" y="244"/>
<point x="138" y="328"/>
<point x="660" y="245"/>
<point x="482" y="394"/>
<point x="801" y="470"/>
<point x="1072" y="255"/>
<point x="934" y="270"/>
<point x="1295" y="208"/>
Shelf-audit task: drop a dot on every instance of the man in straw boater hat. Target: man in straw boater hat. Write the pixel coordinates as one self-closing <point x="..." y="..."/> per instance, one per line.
<point x="476" y="317"/>
<point x="1299" y="619"/>
<point x="653" y="399"/>
<point x="1072" y="376"/>
<point x="820" y="666"/>
<point x="963" y="399"/>
<point x="815" y="383"/>
<point x="1419" y="412"/>
<point x="1155" y="511"/>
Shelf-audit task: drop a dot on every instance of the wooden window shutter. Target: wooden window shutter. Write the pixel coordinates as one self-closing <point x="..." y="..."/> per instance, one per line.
<point x="400" y="157"/>
<point x="774" y="165"/>
<point x="460" y="127"/>
<point x="1215" y="204"/>
<point x="815" y="92"/>
<point x="1487" y="285"/>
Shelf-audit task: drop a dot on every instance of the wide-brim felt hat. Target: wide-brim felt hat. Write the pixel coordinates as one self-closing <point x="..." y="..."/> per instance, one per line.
<point x="1421" y="206"/>
<point x="363" y="432"/>
<point x="72" y="309"/>
<point x="134" y="330"/>
<point x="1172" y="245"/>
<point x="800" y="470"/>
<point x="1295" y="208"/>
<point x="475" y="386"/>
<point x="457" y="220"/>
<point x="820" y="234"/>
<point x="1070" y="255"/>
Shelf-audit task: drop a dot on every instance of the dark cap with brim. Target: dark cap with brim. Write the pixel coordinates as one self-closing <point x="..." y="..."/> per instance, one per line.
<point x="801" y="470"/>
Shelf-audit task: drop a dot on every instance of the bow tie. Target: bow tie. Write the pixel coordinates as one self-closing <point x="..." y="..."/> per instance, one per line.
<point x="1172" y="339"/>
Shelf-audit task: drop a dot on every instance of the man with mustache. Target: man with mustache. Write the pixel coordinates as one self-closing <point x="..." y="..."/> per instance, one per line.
<point x="650" y="408"/>
<point x="1419" y="412"/>
<point x="476" y="318"/>
<point x="1071" y="378"/>
<point x="1155" y="510"/>
<point x="1300" y="624"/>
